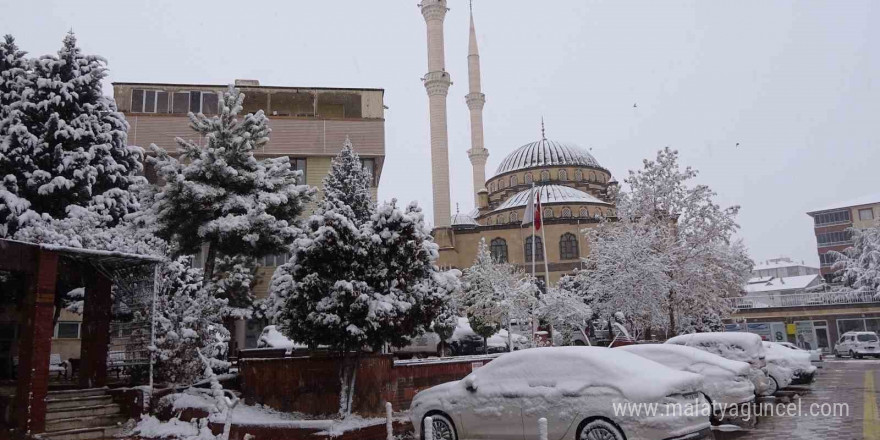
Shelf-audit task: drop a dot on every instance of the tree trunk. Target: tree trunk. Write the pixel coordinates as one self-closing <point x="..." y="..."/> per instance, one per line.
<point x="347" y="377"/>
<point x="671" y="312"/>
<point x="485" y="345"/>
<point x="210" y="260"/>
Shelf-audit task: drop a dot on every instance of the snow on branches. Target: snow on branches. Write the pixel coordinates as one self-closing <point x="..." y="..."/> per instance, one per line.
<point x="858" y="267"/>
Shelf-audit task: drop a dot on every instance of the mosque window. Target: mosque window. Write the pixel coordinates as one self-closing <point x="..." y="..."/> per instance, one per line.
<point x="568" y="246"/>
<point x="492" y="187"/>
<point x="545" y="176"/>
<point x="592" y="176"/>
<point x="563" y="175"/>
<point x="513" y="217"/>
<point x="528" y="178"/>
<point x="548" y="212"/>
<point x="566" y="212"/>
<point x="584" y="213"/>
<point x="578" y="175"/>
<point x="601" y="178"/>
<point x="490" y="221"/>
<point x="498" y="248"/>
<point x="513" y="181"/>
<point x="539" y="249"/>
<point x="500" y="220"/>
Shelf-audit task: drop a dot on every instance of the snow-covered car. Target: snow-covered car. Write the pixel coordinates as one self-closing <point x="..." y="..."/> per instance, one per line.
<point x="726" y="383"/>
<point x="787" y="361"/>
<point x="857" y="345"/>
<point x="736" y="346"/>
<point x="583" y="392"/>
<point x="270" y="337"/>
<point x="815" y="354"/>
<point x="464" y="341"/>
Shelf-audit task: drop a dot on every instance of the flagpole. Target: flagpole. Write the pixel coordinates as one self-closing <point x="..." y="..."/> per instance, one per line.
<point x="532" y="200"/>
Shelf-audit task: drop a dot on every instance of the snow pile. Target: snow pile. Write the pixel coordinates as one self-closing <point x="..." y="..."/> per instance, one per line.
<point x="272" y="338"/>
<point x="151" y="427"/>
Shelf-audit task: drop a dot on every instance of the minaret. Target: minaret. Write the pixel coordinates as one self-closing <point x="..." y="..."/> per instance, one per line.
<point x="475" y="100"/>
<point x="437" y="84"/>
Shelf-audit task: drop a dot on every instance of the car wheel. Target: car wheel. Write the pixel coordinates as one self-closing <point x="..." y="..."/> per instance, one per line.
<point x="444" y="429"/>
<point x="599" y="429"/>
<point x="773" y="386"/>
<point x="836" y="354"/>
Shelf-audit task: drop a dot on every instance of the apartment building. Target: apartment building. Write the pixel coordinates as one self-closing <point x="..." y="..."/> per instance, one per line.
<point x="832" y="222"/>
<point x="309" y="125"/>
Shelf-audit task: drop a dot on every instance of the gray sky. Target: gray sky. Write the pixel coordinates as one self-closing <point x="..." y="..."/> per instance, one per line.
<point x="794" y="82"/>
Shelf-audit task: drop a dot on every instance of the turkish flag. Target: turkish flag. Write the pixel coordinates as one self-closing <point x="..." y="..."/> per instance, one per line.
<point x="538" y="212"/>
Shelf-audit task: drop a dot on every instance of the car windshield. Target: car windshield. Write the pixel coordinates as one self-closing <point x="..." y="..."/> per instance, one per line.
<point x="867" y="338"/>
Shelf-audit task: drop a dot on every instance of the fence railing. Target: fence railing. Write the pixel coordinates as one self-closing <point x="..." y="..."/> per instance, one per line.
<point x="805" y="299"/>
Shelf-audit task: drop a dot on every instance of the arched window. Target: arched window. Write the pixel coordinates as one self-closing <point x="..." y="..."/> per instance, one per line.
<point x="513" y="181"/>
<point x="562" y="175"/>
<point x="578" y="175"/>
<point x="584" y="213"/>
<point x="601" y="178"/>
<point x="545" y="176"/>
<point x="498" y="248"/>
<point x="568" y="246"/>
<point x="539" y="249"/>
<point x="566" y="212"/>
<point x="528" y="178"/>
<point x="592" y="176"/>
<point x="513" y="217"/>
<point x="490" y="221"/>
<point x="500" y="219"/>
<point x="548" y="212"/>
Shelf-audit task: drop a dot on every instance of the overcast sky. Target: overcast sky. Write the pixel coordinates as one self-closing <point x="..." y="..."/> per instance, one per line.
<point x="794" y="82"/>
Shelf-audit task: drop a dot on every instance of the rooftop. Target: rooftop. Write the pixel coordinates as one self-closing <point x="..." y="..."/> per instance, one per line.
<point x="244" y="85"/>
<point x="550" y="194"/>
<point x="772" y="284"/>
<point x="776" y="263"/>
<point x="863" y="200"/>
<point x="546" y="153"/>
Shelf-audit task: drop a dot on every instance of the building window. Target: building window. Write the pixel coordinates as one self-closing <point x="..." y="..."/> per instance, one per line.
<point x="149" y="101"/>
<point x="274" y="260"/>
<point x="584" y="213"/>
<point x="498" y="248"/>
<point x="566" y="212"/>
<point x="568" y="246"/>
<point x="513" y="181"/>
<point x="835" y="237"/>
<point x="548" y="212"/>
<point x="601" y="178"/>
<point x="578" y="175"/>
<point x="370" y="167"/>
<point x="832" y="217"/>
<point x="299" y="164"/>
<point x="592" y="176"/>
<point x="490" y="221"/>
<point x="67" y="330"/>
<point x="866" y="214"/>
<point x="180" y="103"/>
<point x="528" y="178"/>
<point x="826" y="259"/>
<point x="545" y="176"/>
<point x="562" y="175"/>
<point x="513" y="217"/>
<point x="500" y="220"/>
<point x="539" y="249"/>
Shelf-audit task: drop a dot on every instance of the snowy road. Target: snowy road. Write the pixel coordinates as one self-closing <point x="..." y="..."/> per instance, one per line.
<point x="841" y="404"/>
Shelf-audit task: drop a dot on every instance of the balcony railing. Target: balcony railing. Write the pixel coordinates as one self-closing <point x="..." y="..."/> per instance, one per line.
<point x="806" y="299"/>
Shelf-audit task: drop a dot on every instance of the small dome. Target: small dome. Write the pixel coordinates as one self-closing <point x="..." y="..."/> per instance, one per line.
<point x="550" y="194"/>
<point x="459" y="219"/>
<point x="546" y="153"/>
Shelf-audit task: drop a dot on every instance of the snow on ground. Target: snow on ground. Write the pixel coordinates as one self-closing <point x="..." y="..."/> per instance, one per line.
<point x="151" y="427"/>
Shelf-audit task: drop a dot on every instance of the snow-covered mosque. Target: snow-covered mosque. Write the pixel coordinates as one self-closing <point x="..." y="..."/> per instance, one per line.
<point x="573" y="186"/>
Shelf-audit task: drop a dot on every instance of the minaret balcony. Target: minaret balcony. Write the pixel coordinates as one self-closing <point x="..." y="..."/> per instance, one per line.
<point x="433" y="9"/>
<point x="437" y="83"/>
<point x="475" y="101"/>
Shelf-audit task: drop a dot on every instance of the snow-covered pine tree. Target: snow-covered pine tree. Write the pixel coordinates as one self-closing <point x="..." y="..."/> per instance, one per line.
<point x="358" y="281"/>
<point x="69" y="143"/>
<point x="220" y="194"/>
<point x="858" y="267"/>
<point x="14" y="79"/>
<point x="189" y="320"/>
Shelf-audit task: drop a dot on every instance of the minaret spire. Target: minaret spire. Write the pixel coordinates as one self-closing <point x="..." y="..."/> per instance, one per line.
<point x="437" y="84"/>
<point x="475" y="100"/>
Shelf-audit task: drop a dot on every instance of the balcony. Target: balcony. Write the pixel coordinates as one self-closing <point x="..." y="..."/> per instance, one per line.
<point x="817" y="299"/>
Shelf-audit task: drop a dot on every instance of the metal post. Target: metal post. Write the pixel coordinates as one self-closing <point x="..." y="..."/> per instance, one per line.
<point x="429" y="428"/>
<point x="542" y="428"/>
<point x="389" y="424"/>
<point x="156" y="278"/>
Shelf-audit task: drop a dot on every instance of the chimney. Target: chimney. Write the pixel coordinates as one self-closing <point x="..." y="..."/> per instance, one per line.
<point x="247" y="82"/>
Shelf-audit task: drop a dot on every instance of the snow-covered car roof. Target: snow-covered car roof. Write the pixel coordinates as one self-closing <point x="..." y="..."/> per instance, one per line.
<point x="570" y="370"/>
<point x="682" y="357"/>
<point x="739" y="346"/>
<point x="792" y="358"/>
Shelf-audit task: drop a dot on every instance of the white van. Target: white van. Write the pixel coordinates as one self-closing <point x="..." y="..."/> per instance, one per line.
<point x="858" y="344"/>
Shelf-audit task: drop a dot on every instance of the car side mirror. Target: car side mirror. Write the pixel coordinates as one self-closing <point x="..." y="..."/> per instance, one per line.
<point x="469" y="384"/>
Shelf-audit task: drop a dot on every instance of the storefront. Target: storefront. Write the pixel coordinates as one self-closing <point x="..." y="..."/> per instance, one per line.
<point x="768" y="331"/>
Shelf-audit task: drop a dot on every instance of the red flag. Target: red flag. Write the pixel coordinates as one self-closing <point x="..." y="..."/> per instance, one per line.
<point x="538" y="212"/>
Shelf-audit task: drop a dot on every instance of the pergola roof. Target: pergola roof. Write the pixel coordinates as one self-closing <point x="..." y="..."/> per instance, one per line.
<point x="107" y="259"/>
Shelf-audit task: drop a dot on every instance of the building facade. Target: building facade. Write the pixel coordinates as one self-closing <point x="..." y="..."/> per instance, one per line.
<point x="832" y="222"/>
<point x="309" y="125"/>
<point x="782" y="267"/>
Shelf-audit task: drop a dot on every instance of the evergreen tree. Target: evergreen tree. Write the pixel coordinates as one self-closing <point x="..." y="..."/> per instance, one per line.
<point x="358" y="281"/>
<point x="857" y="268"/>
<point x="14" y="79"/>
<point x="66" y="144"/>
<point x="220" y="194"/>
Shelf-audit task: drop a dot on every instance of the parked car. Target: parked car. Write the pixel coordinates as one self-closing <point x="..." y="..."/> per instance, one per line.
<point x="815" y="354"/>
<point x="857" y="345"/>
<point x="464" y="341"/>
<point x="726" y="383"/>
<point x="736" y="346"/>
<point x="574" y="388"/>
<point x="796" y="361"/>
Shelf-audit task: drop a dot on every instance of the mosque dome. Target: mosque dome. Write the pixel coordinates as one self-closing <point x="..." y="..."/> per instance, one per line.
<point x="551" y="194"/>
<point x="546" y="153"/>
